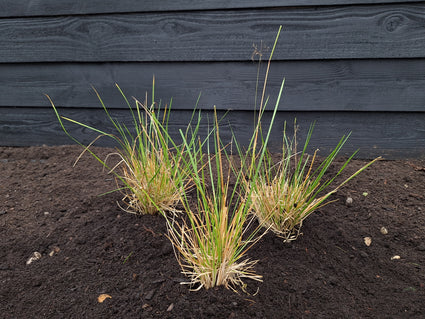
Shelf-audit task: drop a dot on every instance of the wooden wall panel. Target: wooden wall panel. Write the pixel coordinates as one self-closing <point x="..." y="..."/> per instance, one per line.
<point x="346" y="32"/>
<point x="343" y="85"/>
<point x="392" y="135"/>
<point x="351" y="65"/>
<point x="19" y="8"/>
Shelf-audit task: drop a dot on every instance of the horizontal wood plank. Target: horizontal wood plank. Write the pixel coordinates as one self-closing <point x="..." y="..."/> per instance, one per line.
<point x="343" y="32"/>
<point x="350" y="85"/>
<point x="20" y="8"/>
<point x="391" y="135"/>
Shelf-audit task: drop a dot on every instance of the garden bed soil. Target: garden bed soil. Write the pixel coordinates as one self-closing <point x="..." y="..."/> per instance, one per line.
<point x="89" y="247"/>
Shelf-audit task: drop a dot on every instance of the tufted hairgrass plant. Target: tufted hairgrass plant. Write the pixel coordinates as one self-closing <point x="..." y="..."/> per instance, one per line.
<point x="283" y="195"/>
<point x="211" y="245"/>
<point x="212" y="242"/>
<point x="150" y="164"/>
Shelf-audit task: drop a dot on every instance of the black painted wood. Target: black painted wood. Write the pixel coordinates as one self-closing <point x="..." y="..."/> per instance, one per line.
<point x="351" y="65"/>
<point x="343" y="32"/>
<point x="19" y="8"/>
<point x="392" y="135"/>
<point x="343" y="85"/>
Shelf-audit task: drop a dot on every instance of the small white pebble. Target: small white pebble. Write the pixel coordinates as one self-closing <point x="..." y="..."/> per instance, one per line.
<point x="367" y="241"/>
<point x="54" y="251"/>
<point x="349" y="201"/>
<point x="384" y="230"/>
<point x="395" y="257"/>
<point x="35" y="256"/>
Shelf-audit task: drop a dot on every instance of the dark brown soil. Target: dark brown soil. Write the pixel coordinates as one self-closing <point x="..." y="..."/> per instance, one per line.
<point x="50" y="207"/>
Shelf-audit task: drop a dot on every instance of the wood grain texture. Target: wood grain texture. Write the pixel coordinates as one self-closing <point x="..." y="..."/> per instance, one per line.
<point x="310" y="33"/>
<point x="391" y="135"/>
<point x="350" y="85"/>
<point x="20" y="8"/>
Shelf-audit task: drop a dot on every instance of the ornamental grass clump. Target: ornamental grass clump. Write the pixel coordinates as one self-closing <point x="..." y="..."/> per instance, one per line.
<point x="286" y="193"/>
<point x="150" y="175"/>
<point x="211" y="244"/>
<point x="282" y="195"/>
<point x="148" y="163"/>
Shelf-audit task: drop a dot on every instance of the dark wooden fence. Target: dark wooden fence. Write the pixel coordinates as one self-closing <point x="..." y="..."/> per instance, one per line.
<point x="350" y="65"/>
